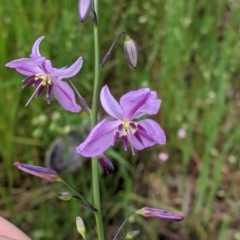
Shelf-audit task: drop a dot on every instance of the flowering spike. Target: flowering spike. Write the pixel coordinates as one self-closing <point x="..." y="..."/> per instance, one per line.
<point x="105" y="164"/>
<point x="159" y="213"/>
<point x="132" y="234"/>
<point x="45" y="173"/>
<point x="65" y="196"/>
<point x="131" y="51"/>
<point x="80" y="227"/>
<point x="84" y="7"/>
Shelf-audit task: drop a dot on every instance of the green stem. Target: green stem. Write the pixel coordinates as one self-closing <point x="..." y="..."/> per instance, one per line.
<point x="84" y="202"/>
<point x="125" y="221"/>
<point x="95" y="180"/>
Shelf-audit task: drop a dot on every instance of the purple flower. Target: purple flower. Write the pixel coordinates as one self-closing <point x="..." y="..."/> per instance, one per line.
<point x="45" y="173"/>
<point x="140" y="134"/>
<point x="159" y="213"/>
<point x="41" y="74"/>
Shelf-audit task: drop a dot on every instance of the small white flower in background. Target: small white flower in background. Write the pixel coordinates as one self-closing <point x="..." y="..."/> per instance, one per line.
<point x="163" y="156"/>
<point x="182" y="133"/>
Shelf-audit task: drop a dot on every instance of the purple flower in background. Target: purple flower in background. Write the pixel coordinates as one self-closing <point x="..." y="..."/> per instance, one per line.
<point x="41" y="74"/>
<point x="140" y="134"/>
<point x="159" y="213"/>
<point x="45" y="173"/>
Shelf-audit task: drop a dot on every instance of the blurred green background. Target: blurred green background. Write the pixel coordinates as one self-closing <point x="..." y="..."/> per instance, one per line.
<point x="189" y="54"/>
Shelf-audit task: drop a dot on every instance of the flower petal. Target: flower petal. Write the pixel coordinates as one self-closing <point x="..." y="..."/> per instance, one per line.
<point x="153" y="135"/>
<point x="137" y="103"/>
<point x="35" y="48"/>
<point x="68" y="72"/>
<point x="99" y="140"/>
<point x="25" y="66"/>
<point x="65" y="95"/>
<point x="110" y="105"/>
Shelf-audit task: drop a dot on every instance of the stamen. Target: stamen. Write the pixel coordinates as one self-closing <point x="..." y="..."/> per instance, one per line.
<point x="28" y="78"/>
<point x="28" y="83"/>
<point x="130" y="140"/>
<point x="37" y="81"/>
<point x="125" y="142"/>
<point x="116" y="136"/>
<point x="33" y="95"/>
<point x="49" y="91"/>
<point x="40" y="89"/>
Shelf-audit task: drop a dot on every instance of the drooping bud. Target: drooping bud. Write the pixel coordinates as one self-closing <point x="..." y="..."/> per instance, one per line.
<point x="84" y="8"/>
<point x="159" y="213"/>
<point x="131" y="51"/>
<point x="132" y="234"/>
<point x="105" y="164"/>
<point x="65" y="196"/>
<point x="80" y="227"/>
<point x="45" y="173"/>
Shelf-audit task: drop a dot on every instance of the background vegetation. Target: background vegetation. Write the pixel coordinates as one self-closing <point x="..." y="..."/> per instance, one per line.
<point x="188" y="53"/>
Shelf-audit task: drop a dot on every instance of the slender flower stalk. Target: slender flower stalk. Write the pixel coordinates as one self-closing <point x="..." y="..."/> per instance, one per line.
<point x="117" y="235"/>
<point x="107" y="55"/>
<point x="93" y="115"/>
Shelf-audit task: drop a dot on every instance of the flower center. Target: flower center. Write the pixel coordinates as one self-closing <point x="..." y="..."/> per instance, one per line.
<point x="40" y="81"/>
<point x="43" y="79"/>
<point x="127" y="127"/>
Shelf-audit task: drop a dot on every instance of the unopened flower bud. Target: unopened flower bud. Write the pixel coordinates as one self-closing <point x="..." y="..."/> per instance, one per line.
<point x="65" y="196"/>
<point x="159" y="213"/>
<point x="84" y="8"/>
<point x="105" y="164"/>
<point x="105" y="59"/>
<point x="131" y="51"/>
<point x="80" y="227"/>
<point x="45" y="173"/>
<point x="132" y="234"/>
